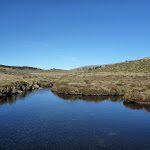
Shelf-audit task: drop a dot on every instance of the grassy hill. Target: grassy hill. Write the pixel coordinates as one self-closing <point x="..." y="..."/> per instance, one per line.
<point x="130" y="79"/>
<point x="20" y="67"/>
<point x="141" y="65"/>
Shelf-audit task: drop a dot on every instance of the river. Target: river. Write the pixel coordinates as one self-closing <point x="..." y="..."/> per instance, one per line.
<point x="41" y="120"/>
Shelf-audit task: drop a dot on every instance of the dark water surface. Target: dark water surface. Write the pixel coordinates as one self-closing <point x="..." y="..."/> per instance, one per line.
<point x="41" y="120"/>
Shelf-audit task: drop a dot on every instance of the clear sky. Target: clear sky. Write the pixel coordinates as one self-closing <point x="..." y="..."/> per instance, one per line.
<point x="70" y="33"/>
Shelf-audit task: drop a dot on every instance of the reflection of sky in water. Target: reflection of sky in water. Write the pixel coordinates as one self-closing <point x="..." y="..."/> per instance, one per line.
<point x="42" y="120"/>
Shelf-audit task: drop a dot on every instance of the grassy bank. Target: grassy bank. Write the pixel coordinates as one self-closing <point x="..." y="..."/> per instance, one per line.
<point x="130" y="79"/>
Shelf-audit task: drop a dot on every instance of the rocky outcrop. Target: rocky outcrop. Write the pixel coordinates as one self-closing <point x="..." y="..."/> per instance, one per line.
<point x="20" y="87"/>
<point x="17" y="88"/>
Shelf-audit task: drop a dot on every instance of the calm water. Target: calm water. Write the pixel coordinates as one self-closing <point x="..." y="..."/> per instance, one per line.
<point x="41" y="120"/>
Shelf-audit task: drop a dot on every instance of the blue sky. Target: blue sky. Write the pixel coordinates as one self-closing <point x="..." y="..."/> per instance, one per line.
<point x="66" y="34"/>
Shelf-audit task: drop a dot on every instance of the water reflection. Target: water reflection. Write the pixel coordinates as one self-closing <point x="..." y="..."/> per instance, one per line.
<point x="11" y="99"/>
<point x="96" y="99"/>
<point x="136" y="106"/>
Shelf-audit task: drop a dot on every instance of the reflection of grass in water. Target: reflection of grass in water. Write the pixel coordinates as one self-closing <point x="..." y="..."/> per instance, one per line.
<point x="95" y="99"/>
<point x="13" y="98"/>
<point x="98" y="99"/>
<point x="136" y="106"/>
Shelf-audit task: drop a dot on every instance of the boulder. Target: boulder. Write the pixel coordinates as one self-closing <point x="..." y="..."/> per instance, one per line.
<point x="13" y="90"/>
<point x="8" y="90"/>
<point x="19" y="92"/>
<point x="23" y="88"/>
<point x="36" y="86"/>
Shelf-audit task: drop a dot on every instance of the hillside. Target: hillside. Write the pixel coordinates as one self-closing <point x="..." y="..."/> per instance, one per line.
<point x="90" y="67"/>
<point x="19" y="67"/>
<point x="130" y="79"/>
<point x="141" y="65"/>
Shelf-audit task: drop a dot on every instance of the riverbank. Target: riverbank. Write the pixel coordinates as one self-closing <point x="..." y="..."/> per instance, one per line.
<point x="130" y="89"/>
<point x="138" y="92"/>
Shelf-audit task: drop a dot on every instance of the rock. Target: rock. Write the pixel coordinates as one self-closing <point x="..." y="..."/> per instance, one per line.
<point x="147" y="58"/>
<point x="19" y="92"/>
<point x="13" y="90"/>
<point x="36" y="86"/>
<point x="23" y="88"/>
<point x="8" y="89"/>
<point x="28" y="87"/>
<point x="2" y="95"/>
<point x="103" y="66"/>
